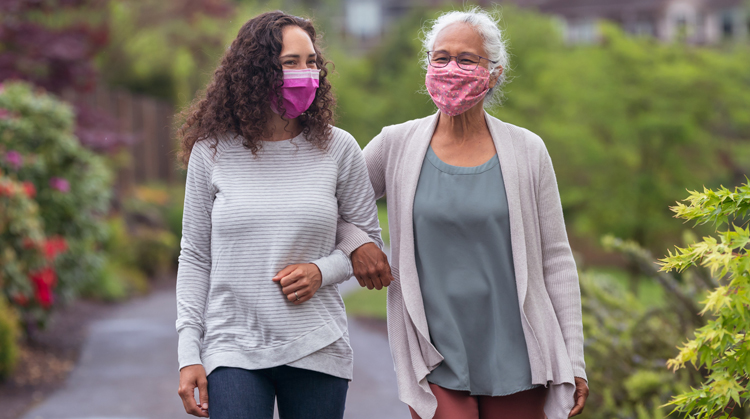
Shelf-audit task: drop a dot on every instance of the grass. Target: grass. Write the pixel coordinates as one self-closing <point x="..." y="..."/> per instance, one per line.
<point x="383" y="218"/>
<point x="366" y="303"/>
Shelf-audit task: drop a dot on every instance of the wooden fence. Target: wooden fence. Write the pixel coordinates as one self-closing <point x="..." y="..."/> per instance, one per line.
<point x="149" y="121"/>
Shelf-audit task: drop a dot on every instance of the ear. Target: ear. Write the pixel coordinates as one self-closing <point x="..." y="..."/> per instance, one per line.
<point x="495" y="76"/>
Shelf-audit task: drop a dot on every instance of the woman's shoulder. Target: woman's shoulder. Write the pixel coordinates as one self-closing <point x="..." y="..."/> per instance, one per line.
<point x="342" y="145"/>
<point x="213" y="147"/>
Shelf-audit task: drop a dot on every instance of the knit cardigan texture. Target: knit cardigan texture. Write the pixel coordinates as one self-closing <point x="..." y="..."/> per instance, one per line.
<point x="546" y="276"/>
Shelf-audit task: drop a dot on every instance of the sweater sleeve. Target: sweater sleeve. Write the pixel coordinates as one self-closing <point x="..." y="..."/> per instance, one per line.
<point x="193" y="273"/>
<point x="560" y="273"/>
<point x="356" y="206"/>
<point x="348" y="236"/>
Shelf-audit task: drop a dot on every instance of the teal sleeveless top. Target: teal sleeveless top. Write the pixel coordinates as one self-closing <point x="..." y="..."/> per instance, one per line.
<point x="465" y="266"/>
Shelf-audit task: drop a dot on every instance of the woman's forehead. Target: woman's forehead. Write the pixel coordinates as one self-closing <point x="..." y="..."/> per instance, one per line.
<point x="459" y="37"/>
<point x="294" y="37"/>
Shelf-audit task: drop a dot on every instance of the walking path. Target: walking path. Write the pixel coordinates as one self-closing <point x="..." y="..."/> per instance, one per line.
<point x="128" y="369"/>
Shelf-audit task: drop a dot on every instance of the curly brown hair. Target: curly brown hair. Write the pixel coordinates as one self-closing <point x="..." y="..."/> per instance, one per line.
<point x="236" y="101"/>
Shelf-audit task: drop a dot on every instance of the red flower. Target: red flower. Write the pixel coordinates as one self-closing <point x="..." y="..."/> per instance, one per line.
<point x="53" y="246"/>
<point x="44" y="280"/>
<point x="28" y="243"/>
<point x="29" y="189"/>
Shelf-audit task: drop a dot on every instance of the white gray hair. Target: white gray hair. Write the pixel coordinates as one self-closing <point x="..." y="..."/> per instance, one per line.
<point x="488" y="26"/>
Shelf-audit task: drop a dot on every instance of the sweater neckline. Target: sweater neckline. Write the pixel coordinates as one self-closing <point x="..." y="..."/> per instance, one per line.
<point x="283" y="144"/>
<point x="460" y="170"/>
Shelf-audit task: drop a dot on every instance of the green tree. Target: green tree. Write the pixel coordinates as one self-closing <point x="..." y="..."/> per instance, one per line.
<point x="164" y="49"/>
<point x="721" y="346"/>
<point x="629" y="122"/>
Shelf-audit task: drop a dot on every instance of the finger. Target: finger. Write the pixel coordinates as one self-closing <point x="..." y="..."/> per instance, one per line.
<point x="284" y="272"/>
<point x="295" y="296"/>
<point x="303" y="298"/>
<point x="292" y="277"/>
<point x="295" y="286"/>
<point x="203" y="393"/>
<point x="387" y="278"/>
<point x="578" y="408"/>
<point x="369" y="284"/>
<point x="361" y="282"/>
<point x="188" y="400"/>
<point x="376" y="282"/>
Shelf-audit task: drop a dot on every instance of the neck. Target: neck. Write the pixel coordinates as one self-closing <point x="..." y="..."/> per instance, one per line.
<point x="462" y="128"/>
<point x="280" y="128"/>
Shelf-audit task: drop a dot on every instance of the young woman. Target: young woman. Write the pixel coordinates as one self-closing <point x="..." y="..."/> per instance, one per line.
<point x="259" y="315"/>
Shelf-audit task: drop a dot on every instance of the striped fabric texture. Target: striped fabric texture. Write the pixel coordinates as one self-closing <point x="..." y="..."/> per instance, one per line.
<point x="247" y="217"/>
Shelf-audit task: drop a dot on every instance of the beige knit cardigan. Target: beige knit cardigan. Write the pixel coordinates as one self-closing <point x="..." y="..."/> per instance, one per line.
<point x="546" y="276"/>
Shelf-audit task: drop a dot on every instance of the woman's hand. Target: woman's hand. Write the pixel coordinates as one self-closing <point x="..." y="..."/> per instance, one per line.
<point x="580" y="396"/>
<point x="191" y="377"/>
<point x="371" y="267"/>
<point x="299" y="282"/>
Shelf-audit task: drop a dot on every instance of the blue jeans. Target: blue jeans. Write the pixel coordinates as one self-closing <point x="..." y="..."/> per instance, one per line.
<point x="236" y="393"/>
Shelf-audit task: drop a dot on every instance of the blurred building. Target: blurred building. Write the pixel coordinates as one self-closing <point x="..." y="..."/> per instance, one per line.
<point x="369" y="19"/>
<point x="694" y="21"/>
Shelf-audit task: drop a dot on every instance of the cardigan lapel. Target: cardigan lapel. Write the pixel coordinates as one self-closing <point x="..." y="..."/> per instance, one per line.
<point x="506" y="153"/>
<point x="411" y="167"/>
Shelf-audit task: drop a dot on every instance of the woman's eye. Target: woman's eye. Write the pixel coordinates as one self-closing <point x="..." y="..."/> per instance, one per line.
<point x="289" y="62"/>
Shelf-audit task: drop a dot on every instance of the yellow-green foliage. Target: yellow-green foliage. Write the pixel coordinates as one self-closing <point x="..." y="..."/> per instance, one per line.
<point x="721" y="346"/>
<point x="8" y="338"/>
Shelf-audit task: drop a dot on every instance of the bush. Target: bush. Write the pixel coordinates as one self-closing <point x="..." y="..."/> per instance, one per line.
<point x="154" y="221"/>
<point x="8" y="338"/>
<point x="627" y="344"/>
<point x="70" y="184"/>
<point x="721" y="347"/>
<point x="27" y="258"/>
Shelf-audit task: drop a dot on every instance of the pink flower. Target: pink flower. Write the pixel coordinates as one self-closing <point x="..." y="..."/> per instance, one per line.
<point x="61" y="184"/>
<point x="4" y="114"/>
<point x="14" y="159"/>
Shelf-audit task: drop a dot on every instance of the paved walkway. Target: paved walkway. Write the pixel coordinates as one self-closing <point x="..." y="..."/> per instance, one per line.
<point x="128" y="369"/>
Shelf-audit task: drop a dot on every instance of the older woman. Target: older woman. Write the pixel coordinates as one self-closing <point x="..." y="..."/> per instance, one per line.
<point x="484" y="314"/>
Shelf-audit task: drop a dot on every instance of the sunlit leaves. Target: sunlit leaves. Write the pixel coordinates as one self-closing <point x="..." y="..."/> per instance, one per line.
<point x="721" y="346"/>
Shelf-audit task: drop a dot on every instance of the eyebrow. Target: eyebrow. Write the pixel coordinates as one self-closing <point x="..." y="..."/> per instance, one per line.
<point x="296" y="56"/>
<point x="462" y="52"/>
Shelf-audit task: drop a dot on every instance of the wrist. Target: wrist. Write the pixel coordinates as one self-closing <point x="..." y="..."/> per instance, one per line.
<point x="316" y="274"/>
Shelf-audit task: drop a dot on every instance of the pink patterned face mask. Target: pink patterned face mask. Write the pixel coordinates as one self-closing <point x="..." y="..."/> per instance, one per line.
<point x="455" y="90"/>
<point x="298" y="91"/>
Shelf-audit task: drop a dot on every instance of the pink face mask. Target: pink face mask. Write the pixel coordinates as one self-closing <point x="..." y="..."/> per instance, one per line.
<point x="455" y="90"/>
<point x="298" y="92"/>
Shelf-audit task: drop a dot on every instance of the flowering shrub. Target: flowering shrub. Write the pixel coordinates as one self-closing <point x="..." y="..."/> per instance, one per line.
<point x="27" y="273"/>
<point x="71" y="187"/>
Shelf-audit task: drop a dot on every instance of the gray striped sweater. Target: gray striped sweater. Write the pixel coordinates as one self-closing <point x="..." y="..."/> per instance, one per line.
<point x="245" y="219"/>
